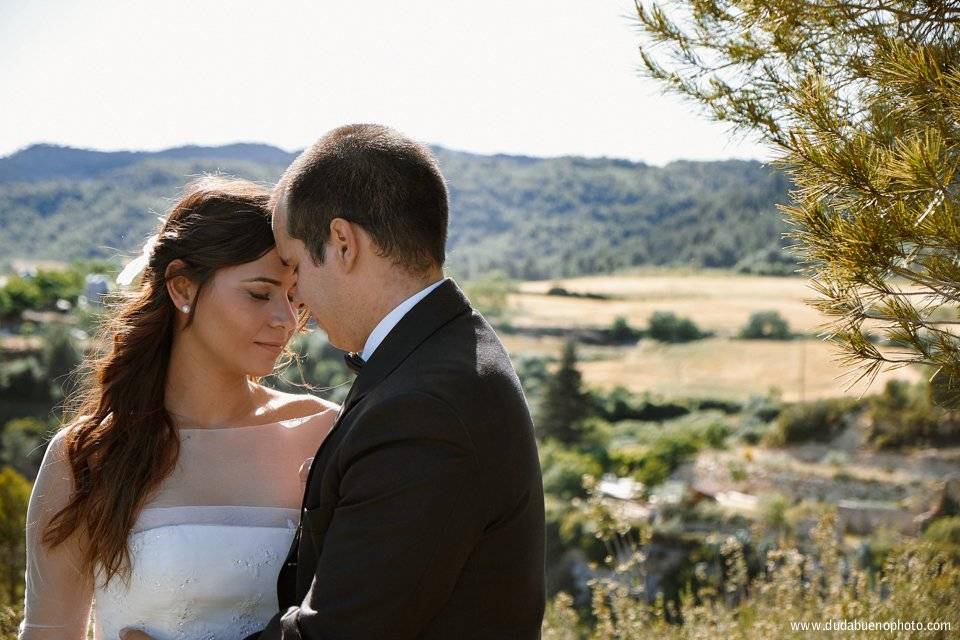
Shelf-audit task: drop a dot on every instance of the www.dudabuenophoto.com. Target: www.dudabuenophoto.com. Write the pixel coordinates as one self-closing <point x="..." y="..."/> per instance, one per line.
<point x="870" y="625"/>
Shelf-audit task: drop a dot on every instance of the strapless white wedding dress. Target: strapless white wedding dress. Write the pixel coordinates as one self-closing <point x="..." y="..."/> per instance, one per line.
<point x="199" y="573"/>
<point x="205" y="551"/>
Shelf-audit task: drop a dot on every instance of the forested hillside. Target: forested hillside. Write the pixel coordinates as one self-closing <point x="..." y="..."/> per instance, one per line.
<point x="530" y="217"/>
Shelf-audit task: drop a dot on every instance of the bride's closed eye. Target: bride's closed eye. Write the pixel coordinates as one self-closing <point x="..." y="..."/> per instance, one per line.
<point x="266" y="297"/>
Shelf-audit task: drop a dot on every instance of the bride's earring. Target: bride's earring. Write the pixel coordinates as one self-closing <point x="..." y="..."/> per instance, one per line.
<point x="185" y="308"/>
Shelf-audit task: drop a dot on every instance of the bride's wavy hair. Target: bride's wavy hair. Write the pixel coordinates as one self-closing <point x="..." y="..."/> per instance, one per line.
<point x="120" y="441"/>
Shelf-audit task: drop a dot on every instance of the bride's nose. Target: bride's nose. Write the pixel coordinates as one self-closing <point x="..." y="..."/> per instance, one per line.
<point x="284" y="316"/>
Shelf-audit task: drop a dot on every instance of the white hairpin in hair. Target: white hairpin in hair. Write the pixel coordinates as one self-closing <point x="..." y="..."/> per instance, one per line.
<point x="138" y="264"/>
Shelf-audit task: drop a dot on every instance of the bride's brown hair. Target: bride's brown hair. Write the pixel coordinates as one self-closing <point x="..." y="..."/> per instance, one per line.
<point x="121" y="442"/>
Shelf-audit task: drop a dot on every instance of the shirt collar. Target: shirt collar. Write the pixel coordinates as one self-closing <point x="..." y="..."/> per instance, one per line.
<point x="391" y="319"/>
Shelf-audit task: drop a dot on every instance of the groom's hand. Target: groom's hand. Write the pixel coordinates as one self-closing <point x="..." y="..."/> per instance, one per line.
<point x="133" y="634"/>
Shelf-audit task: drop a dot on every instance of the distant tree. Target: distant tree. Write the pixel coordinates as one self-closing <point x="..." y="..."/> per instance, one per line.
<point x="14" y="497"/>
<point x="60" y="358"/>
<point x="23" y="379"/>
<point x="22" y="445"/>
<point x="769" y="325"/>
<point x="533" y="373"/>
<point x="621" y="331"/>
<point x="666" y="326"/>
<point x="565" y="405"/>
<point x="19" y="294"/>
<point x="858" y="100"/>
<point x="7" y="310"/>
<point x="55" y="284"/>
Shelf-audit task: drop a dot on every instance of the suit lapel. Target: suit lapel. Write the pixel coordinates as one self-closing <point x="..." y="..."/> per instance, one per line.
<point x="439" y="307"/>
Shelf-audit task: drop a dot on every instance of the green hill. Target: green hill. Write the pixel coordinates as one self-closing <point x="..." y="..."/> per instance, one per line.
<point x="529" y="217"/>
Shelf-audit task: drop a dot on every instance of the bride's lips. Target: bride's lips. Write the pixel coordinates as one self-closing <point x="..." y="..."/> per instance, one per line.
<point x="273" y="347"/>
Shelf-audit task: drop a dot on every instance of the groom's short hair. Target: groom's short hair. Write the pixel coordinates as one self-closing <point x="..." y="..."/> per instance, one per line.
<point x="377" y="178"/>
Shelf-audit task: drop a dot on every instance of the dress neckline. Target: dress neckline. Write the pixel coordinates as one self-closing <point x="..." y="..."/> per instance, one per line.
<point x="253" y="426"/>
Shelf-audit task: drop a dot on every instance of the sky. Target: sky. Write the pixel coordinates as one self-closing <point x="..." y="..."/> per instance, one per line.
<point x="519" y="77"/>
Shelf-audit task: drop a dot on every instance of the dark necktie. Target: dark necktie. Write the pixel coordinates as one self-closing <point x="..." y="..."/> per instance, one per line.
<point x="354" y="361"/>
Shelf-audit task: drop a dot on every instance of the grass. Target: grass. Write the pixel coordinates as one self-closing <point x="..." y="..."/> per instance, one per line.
<point x="918" y="582"/>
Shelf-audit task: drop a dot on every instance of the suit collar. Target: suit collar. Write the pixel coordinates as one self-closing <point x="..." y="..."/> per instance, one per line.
<point x="390" y="320"/>
<point x="440" y="306"/>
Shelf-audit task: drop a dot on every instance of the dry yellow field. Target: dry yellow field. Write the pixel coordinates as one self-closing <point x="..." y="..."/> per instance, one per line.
<point x="720" y="302"/>
<point x="719" y="367"/>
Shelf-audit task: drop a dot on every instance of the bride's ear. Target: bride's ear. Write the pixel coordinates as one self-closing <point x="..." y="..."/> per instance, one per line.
<point x="181" y="289"/>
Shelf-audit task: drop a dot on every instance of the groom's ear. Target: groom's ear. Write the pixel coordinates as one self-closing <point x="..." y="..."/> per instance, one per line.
<point x="345" y="240"/>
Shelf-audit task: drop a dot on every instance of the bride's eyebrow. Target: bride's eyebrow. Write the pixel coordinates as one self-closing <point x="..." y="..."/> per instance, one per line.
<point x="263" y="279"/>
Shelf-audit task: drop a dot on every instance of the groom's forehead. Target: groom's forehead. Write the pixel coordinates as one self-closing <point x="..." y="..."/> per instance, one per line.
<point x="278" y="223"/>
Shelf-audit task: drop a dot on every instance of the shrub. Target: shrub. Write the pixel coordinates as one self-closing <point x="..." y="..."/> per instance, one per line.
<point x="621" y="332"/>
<point x="727" y="406"/>
<point x="665" y="455"/>
<point x="665" y="326"/>
<point x="14" y="497"/>
<point x="10" y="618"/>
<point x="715" y="435"/>
<point x="773" y="512"/>
<point x="619" y="404"/>
<point x="763" y="408"/>
<point x="944" y="531"/>
<point x="563" y="470"/>
<point x="625" y="459"/>
<point x="819" y="420"/>
<point x="727" y="598"/>
<point x="905" y="414"/>
<point x="565" y="293"/>
<point x="766" y="325"/>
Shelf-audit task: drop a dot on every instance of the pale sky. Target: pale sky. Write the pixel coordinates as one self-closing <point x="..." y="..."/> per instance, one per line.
<point x="520" y="76"/>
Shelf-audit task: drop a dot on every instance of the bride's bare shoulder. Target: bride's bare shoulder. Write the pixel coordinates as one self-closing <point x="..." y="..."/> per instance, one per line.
<point x="289" y="406"/>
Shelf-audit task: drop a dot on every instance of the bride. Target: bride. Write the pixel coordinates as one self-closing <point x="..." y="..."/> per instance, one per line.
<point x="170" y="502"/>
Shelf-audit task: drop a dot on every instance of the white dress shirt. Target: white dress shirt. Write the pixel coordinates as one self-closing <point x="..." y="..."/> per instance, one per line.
<point x="391" y="319"/>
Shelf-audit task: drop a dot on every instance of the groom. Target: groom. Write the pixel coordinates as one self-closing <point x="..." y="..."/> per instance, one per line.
<point x="423" y="513"/>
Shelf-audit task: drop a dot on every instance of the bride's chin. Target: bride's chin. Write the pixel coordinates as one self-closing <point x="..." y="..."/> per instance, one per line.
<point x="261" y="370"/>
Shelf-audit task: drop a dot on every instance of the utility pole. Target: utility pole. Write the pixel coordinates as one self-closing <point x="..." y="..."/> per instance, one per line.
<point x="803" y="369"/>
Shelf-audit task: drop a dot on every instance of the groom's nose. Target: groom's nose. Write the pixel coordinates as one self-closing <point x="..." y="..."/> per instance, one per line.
<point x="298" y="302"/>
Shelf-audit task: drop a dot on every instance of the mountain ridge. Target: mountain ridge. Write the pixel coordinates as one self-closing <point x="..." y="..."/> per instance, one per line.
<point x="526" y="216"/>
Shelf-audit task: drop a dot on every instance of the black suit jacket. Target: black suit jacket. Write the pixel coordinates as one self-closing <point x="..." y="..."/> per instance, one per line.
<point x="423" y="513"/>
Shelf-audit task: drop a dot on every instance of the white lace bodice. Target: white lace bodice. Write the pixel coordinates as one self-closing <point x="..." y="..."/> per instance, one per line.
<point x="199" y="573"/>
<point x="205" y="551"/>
